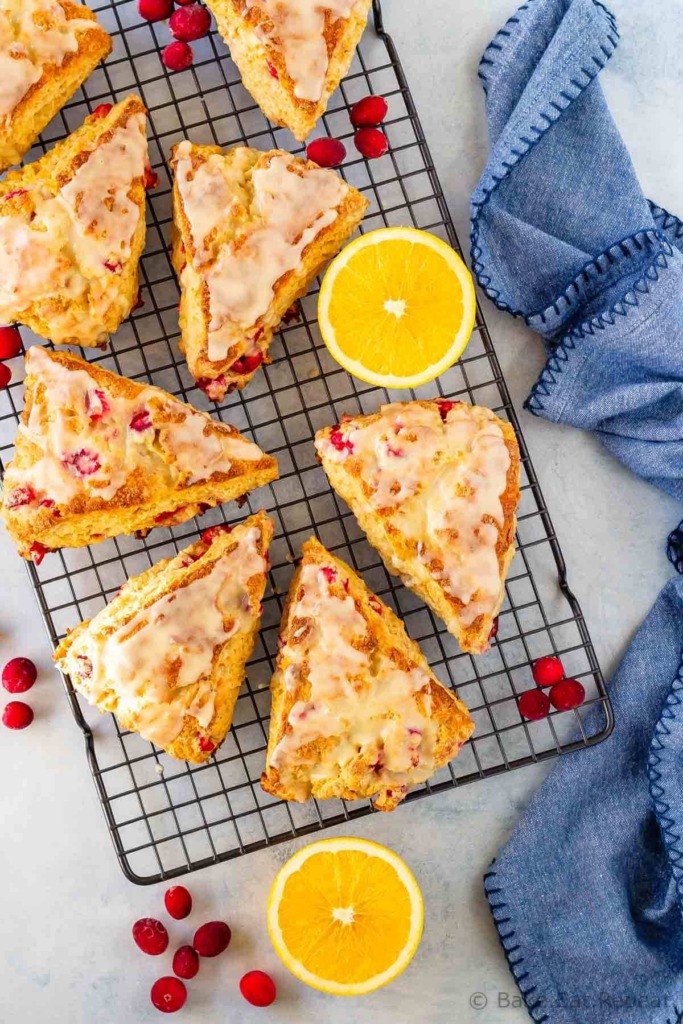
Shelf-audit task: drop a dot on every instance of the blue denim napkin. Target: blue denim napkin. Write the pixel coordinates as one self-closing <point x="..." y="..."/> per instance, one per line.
<point x="588" y="893"/>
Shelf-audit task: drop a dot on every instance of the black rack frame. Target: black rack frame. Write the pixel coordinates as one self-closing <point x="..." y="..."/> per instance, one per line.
<point x="167" y="818"/>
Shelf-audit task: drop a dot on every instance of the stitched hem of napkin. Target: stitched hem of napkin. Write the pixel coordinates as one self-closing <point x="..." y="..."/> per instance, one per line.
<point x="564" y="352"/>
<point x="507" y="935"/>
<point x="554" y="109"/>
<point x="658" y="792"/>
<point x="668" y="224"/>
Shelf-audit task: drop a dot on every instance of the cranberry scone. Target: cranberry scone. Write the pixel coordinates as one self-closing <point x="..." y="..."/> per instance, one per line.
<point x="98" y="455"/>
<point x="167" y="655"/>
<point x="250" y="232"/>
<point x="435" y="486"/>
<point x="72" y="229"/>
<point x="47" y="50"/>
<point x="292" y="54"/>
<point x="356" y="710"/>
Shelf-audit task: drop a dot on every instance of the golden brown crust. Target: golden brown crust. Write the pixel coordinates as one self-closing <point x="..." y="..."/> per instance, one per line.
<point x="388" y="636"/>
<point x="262" y="65"/>
<point x="55" y="87"/>
<point x="219" y="377"/>
<point x="153" y="494"/>
<point x="23" y="188"/>
<point x="398" y="553"/>
<point x="194" y="743"/>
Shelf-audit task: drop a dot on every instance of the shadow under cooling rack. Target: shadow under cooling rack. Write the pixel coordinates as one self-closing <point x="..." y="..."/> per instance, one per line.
<point x="166" y="817"/>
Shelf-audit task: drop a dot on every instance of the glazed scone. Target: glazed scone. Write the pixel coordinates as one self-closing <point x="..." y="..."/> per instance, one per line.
<point x="72" y="229"/>
<point x="98" y="455"/>
<point x="167" y="656"/>
<point x="250" y="232"/>
<point x="292" y="54"/>
<point x="47" y="50"/>
<point x="435" y="486"/>
<point x="356" y="710"/>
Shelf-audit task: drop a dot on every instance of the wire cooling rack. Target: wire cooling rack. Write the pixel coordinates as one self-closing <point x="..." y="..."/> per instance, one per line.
<point x="166" y="817"/>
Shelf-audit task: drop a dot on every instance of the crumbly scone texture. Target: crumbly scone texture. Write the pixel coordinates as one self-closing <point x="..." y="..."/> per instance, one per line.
<point x="383" y="739"/>
<point x="75" y="302"/>
<point x="263" y="68"/>
<point x="403" y="555"/>
<point x="196" y="740"/>
<point x="240" y="222"/>
<point x="98" y="455"/>
<point x="57" y="84"/>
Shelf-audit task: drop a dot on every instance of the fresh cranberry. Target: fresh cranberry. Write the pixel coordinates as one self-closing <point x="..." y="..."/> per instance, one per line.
<point x="212" y="938"/>
<point x="293" y="314"/>
<point x="22" y="495"/>
<point x="258" y="988"/>
<point x="494" y="629"/>
<point x="102" y="110"/>
<point x="114" y="266"/>
<point x="369" y="111"/>
<point x="13" y="194"/>
<point x="151" y="179"/>
<point x="140" y="420"/>
<point x="247" y="364"/>
<point x="178" y="902"/>
<point x="10" y="342"/>
<point x="37" y="552"/>
<point x="329" y="573"/>
<point x="191" y="22"/>
<point x="534" y="705"/>
<point x="5" y="375"/>
<point x="338" y="441"/>
<point x="326" y="152"/>
<point x="82" y="463"/>
<point x="445" y="406"/>
<point x="567" y="695"/>
<point x="96" y="404"/>
<point x="211" y="532"/>
<point x="19" y="675"/>
<point x="206" y="744"/>
<point x="139" y="301"/>
<point x="272" y="70"/>
<point x="185" y="962"/>
<point x="155" y="10"/>
<point x="547" y="671"/>
<point x="371" y="143"/>
<point x="178" y="56"/>
<point x="17" y="715"/>
<point x="168" y="994"/>
<point x="47" y="503"/>
<point x="375" y="604"/>
<point x="151" y="936"/>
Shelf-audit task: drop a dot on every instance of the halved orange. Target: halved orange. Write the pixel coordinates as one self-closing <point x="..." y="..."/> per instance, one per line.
<point x="345" y="916"/>
<point x="397" y="307"/>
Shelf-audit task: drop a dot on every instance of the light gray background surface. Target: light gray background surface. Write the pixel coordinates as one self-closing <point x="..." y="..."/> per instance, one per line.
<point x="66" y="956"/>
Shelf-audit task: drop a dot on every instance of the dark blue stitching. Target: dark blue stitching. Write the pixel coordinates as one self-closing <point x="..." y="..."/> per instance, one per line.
<point x="662" y="808"/>
<point x="558" y="360"/>
<point x="534" y="1006"/>
<point x="674" y="548"/>
<point x="478" y="268"/>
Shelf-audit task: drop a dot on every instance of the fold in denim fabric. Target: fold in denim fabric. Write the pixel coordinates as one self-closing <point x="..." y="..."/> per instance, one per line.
<point x="588" y="893"/>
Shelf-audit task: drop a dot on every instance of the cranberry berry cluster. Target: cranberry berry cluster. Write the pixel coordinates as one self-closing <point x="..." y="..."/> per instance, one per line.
<point x="187" y="22"/>
<point x="369" y="140"/>
<point x="18" y="676"/>
<point x="168" y="994"/>
<point x="10" y="346"/>
<point x="565" y="694"/>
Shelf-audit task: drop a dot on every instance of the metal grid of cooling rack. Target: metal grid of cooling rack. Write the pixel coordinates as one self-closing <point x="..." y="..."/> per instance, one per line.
<point x="166" y="817"/>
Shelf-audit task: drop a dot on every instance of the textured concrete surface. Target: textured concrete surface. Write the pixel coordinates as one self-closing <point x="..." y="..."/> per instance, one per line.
<point x="66" y="956"/>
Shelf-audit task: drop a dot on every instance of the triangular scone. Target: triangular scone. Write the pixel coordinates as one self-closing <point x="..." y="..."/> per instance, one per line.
<point x="168" y="654"/>
<point x="47" y="50"/>
<point x="356" y="710"/>
<point x="72" y="228"/>
<point x="435" y="486"/>
<point x="250" y="232"/>
<point x="292" y="54"/>
<point x="98" y="455"/>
